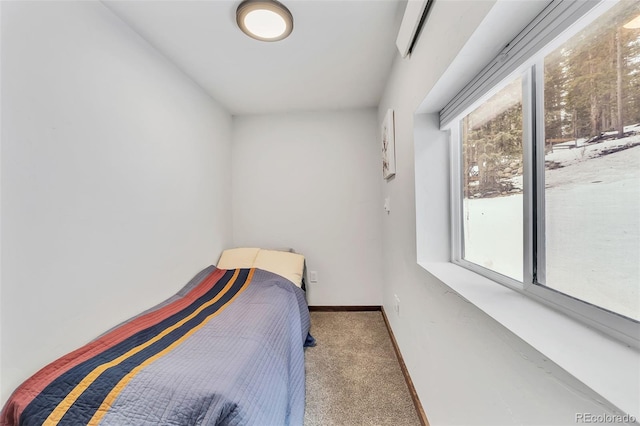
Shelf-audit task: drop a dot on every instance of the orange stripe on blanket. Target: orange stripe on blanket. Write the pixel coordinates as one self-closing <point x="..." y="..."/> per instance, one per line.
<point x="70" y="399"/>
<point x="36" y="383"/>
<point x="110" y="399"/>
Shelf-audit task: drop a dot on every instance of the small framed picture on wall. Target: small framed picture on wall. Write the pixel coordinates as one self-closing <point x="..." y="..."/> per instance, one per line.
<point x="388" y="146"/>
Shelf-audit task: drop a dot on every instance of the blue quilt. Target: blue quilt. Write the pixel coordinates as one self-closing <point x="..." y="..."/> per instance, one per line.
<point x="225" y="350"/>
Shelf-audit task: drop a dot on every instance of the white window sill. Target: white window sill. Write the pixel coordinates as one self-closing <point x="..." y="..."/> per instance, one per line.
<point x="607" y="366"/>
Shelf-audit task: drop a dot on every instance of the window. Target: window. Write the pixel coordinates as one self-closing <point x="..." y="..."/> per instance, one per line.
<point x="592" y="164"/>
<point x="546" y="167"/>
<point x="492" y="191"/>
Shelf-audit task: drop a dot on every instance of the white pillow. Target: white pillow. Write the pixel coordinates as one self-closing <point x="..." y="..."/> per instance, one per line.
<point x="238" y="258"/>
<point x="287" y="265"/>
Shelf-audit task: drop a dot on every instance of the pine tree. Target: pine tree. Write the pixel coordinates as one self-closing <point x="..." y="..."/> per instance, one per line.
<point x="592" y="81"/>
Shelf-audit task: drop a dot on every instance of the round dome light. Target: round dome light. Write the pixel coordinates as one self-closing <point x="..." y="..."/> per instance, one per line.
<point x="265" y="20"/>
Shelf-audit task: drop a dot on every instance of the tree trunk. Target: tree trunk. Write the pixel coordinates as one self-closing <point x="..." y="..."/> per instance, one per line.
<point x="620" y="123"/>
<point x="594" y="115"/>
<point x="593" y="98"/>
<point x="575" y="125"/>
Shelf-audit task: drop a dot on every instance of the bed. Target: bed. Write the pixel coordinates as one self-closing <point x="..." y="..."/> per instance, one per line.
<point x="227" y="349"/>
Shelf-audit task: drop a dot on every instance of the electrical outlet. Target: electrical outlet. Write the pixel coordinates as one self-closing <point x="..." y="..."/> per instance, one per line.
<point x="313" y="276"/>
<point x="396" y="305"/>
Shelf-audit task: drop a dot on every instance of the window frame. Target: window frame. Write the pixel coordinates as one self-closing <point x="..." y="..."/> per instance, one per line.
<point x="531" y="71"/>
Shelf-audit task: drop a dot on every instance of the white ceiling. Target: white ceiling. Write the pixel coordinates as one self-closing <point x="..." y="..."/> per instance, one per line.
<point x="338" y="56"/>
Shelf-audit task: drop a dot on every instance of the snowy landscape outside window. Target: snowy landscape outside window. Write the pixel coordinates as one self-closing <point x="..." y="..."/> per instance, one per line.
<point x="546" y="172"/>
<point x="592" y="163"/>
<point x="492" y="191"/>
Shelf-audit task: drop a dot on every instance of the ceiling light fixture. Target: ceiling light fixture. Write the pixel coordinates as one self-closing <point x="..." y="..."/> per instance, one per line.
<point x="265" y="20"/>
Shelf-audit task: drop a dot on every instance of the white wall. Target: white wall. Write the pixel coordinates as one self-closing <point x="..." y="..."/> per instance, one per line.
<point x="467" y="368"/>
<point x="310" y="181"/>
<point x="115" y="179"/>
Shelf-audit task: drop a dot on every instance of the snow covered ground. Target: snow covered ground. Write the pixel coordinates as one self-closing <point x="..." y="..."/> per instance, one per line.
<point x="493" y="234"/>
<point x="592" y="226"/>
<point x="593" y="231"/>
<point x="566" y="156"/>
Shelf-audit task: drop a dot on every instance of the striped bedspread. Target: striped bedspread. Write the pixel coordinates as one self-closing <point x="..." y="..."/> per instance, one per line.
<point x="226" y="350"/>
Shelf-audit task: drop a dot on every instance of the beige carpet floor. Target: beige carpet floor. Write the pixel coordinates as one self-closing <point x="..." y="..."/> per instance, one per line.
<point x="353" y="374"/>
